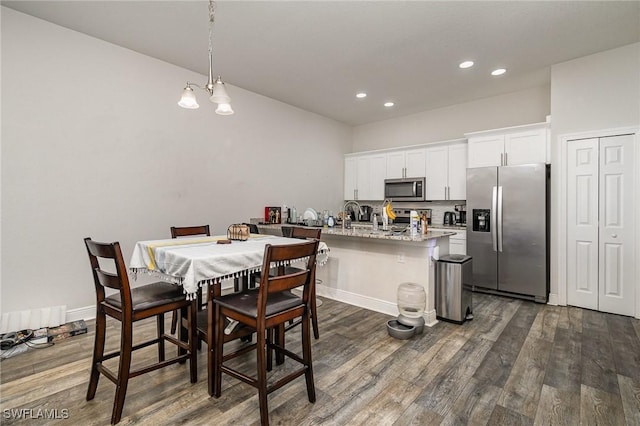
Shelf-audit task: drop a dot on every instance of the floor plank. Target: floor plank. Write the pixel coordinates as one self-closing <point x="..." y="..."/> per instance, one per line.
<point x="630" y="395"/>
<point x="558" y="407"/>
<point x="600" y="408"/>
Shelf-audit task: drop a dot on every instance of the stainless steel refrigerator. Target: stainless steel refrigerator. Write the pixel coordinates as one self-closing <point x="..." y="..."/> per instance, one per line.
<point x="508" y="230"/>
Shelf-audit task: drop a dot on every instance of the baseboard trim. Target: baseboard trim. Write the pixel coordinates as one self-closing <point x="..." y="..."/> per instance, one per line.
<point x="366" y="302"/>
<point x="553" y="299"/>
<point x="370" y="303"/>
<point x="85" y="313"/>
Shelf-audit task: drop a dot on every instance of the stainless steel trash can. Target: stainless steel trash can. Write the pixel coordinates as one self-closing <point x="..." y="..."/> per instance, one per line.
<point x="453" y="288"/>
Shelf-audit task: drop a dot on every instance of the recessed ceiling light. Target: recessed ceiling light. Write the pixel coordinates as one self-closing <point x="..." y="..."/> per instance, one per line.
<point x="466" y="64"/>
<point x="499" y="71"/>
<point x="361" y="95"/>
<point x="389" y="104"/>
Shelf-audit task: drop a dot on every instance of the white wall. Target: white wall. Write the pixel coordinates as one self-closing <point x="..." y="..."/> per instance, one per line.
<point x="94" y="144"/>
<point x="595" y="92"/>
<point x="452" y="122"/>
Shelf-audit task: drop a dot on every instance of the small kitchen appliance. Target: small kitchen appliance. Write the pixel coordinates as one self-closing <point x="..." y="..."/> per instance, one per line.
<point x="449" y="218"/>
<point x="461" y="209"/>
<point x="366" y="213"/>
<point x="408" y="189"/>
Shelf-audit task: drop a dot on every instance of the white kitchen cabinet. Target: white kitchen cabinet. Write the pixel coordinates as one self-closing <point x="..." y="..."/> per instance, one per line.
<point x="350" y="177"/>
<point x="406" y="163"/>
<point x="510" y="146"/>
<point x="457" y="242"/>
<point x="364" y="176"/>
<point x="446" y="173"/>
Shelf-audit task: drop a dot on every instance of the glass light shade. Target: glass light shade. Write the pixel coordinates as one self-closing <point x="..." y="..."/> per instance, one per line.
<point x="188" y="99"/>
<point x="224" y="109"/>
<point x="219" y="94"/>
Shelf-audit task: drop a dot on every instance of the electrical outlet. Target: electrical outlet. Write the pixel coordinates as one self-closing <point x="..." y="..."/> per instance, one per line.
<point x="401" y="258"/>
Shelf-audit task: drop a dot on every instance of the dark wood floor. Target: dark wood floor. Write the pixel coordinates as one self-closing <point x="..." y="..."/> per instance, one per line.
<point x="516" y="363"/>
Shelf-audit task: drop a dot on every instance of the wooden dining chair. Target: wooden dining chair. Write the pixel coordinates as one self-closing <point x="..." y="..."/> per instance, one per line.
<point x="269" y="307"/>
<point x="301" y="233"/>
<point x="306" y="233"/>
<point x="129" y="305"/>
<point x="188" y="231"/>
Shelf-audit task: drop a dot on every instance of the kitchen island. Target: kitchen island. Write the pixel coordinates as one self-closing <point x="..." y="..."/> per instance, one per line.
<point x="365" y="267"/>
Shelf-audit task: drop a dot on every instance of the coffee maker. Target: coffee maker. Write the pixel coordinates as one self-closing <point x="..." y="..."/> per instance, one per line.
<point x="461" y="209"/>
<point x="366" y="213"/>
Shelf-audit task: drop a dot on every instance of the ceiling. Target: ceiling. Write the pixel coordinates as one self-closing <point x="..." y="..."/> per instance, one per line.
<point x="317" y="55"/>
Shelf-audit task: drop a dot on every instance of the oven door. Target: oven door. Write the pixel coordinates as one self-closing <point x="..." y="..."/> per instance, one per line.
<point x="404" y="189"/>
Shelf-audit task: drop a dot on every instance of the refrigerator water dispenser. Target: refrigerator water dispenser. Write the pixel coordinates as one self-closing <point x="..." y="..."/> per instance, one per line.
<point x="481" y="220"/>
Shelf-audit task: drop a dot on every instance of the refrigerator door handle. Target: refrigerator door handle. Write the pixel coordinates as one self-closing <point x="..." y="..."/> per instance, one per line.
<point x="499" y="219"/>
<point x="494" y="230"/>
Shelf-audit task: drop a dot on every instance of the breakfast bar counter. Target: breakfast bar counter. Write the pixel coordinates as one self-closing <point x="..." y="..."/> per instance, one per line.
<point x="365" y="267"/>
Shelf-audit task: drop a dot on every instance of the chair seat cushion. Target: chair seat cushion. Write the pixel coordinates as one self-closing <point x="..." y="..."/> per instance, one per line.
<point x="247" y="303"/>
<point x="150" y="296"/>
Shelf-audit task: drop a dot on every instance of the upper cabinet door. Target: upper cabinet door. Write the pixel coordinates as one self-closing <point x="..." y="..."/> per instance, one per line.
<point x="395" y="165"/>
<point x="415" y="163"/>
<point x="458" y="172"/>
<point x="525" y="147"/>
<point x="486" y="151"/>
<point x="377" y="175"/>
<point x="511" y="146"/>
<point x="362" y="185"/>
<point x="437" y="173"/>
<point x="350" y="178"/>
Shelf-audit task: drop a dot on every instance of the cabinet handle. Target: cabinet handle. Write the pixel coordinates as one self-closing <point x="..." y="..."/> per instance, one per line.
<point x="501" y="159"/>
<point x="506" y="161"/>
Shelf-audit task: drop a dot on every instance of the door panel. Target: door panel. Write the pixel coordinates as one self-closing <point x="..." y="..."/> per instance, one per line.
<point x="436" y="173"/>
<point x="480" y="183"/>
<point x="457" y="172"/>
<point x="416" y="163"/>
<point x="616" y="234"/>
<point x="522" y="263"/>
<point x="600" y="224"/>
<point x="582" y="223"/>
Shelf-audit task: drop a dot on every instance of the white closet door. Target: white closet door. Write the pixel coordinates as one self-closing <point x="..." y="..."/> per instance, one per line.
<point x="582" y="223"/>
<point x="616" y="236"/>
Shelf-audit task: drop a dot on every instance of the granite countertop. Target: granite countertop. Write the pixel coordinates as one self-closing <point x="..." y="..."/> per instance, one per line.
<point x="362" y="232"/>
<point x="453" y="227"/>
<point x="365" y="230"/>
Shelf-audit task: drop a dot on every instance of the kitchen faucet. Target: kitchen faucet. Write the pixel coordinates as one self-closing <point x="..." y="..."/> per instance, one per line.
<point x="344" y="209"/>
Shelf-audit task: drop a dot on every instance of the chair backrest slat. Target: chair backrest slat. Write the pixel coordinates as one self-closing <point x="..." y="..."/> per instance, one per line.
<point x="305" y="253"/>
<point x="305" y="233"/>
<point x="187" y="231"/>
<point x="103" y="278"/>
<point x="288" y="282"/>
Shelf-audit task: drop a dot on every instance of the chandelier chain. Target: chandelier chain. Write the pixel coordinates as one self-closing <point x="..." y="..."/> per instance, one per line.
<point x="212" y="12"/>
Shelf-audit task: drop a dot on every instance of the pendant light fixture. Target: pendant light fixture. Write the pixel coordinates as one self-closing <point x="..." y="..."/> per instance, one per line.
<point x="217" y="92"/>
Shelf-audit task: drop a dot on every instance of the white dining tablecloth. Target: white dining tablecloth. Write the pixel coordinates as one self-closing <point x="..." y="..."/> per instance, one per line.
<point x="192" y="262"/>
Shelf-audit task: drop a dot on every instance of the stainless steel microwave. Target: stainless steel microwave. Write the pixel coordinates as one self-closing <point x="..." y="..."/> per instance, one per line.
<point x="406" y="189"/>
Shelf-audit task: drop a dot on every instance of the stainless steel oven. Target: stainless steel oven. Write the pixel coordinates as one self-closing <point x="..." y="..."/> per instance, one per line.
<point x="407" y="189"/>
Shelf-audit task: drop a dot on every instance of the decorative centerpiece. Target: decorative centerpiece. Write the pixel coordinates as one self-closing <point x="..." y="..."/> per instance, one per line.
<point x="238" y="232"/>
